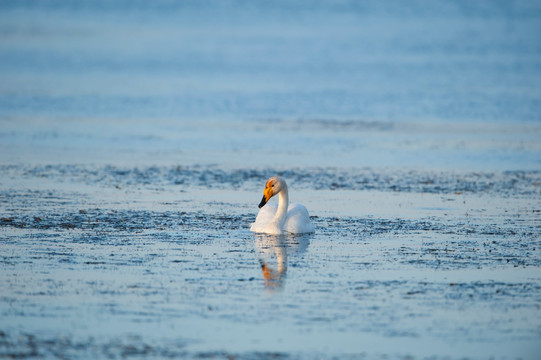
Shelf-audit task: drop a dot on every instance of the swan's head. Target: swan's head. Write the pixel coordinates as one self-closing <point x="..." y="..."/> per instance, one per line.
<point x="273" y="186"/>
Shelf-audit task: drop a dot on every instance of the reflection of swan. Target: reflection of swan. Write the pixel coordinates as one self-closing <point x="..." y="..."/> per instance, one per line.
<point x="274" y="251"/>
<point x="273" y="219"/>
<point x="273" y="259"/>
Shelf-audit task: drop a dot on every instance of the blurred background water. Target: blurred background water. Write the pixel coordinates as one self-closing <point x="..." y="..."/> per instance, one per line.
<point x="452" y="84"/>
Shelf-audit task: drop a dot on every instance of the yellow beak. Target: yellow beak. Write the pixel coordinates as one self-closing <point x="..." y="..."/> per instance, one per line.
<point x="267" y="194"/>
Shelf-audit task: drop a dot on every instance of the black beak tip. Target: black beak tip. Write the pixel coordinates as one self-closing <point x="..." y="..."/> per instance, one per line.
<point x="262" y="203"/>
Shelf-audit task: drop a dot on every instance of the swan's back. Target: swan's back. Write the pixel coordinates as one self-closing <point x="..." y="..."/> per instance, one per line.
<point x="297" y="220"/>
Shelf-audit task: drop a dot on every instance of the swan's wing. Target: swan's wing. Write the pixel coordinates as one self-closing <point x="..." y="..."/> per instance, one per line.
<point x="264" y="217"/>
<point x="298" y="220"/>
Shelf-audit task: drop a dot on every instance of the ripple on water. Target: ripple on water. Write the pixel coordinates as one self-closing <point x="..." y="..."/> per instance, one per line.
<point x="506" y="183"/>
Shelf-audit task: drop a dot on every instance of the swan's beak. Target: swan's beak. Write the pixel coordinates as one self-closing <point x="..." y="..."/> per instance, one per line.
<point x="267" y="194"/>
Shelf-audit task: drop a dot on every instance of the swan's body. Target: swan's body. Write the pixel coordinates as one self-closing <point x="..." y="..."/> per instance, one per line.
<point x="277" y="219"/>
<point x="297" y="220"/>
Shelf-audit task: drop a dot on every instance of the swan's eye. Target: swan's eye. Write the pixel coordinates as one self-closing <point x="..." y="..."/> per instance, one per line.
<point x="272" y="185"/>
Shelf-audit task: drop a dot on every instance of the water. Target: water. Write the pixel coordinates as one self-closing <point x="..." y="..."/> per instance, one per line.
<point x="136" y="139"/>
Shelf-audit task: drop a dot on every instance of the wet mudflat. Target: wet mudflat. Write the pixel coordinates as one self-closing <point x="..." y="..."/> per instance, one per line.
<point x="93" y="267"/>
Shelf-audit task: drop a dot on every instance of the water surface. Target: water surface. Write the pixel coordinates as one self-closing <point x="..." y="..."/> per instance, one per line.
<point x="136" y="139"/>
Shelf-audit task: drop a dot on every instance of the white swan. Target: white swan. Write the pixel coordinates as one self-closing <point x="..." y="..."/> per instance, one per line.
<point x="273" y="219"/>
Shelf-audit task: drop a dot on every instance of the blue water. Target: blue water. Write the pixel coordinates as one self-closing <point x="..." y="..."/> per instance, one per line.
<point x="413" y="60"/>
<point x="417" y="83"/>
<point x="136" y="137"/>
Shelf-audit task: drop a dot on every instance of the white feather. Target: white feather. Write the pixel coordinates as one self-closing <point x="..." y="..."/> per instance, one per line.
<point x="297" y="220"/>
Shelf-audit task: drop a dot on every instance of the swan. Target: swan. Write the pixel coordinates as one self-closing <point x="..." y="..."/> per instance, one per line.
<point x="273" y="219"/>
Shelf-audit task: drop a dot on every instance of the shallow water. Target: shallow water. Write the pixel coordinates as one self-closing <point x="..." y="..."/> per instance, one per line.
<point x="136" y="139"/>
<point x="130" y="265"/>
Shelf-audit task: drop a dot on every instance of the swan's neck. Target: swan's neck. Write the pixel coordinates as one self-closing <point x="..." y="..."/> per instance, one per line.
<point x="281" y="213"/>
